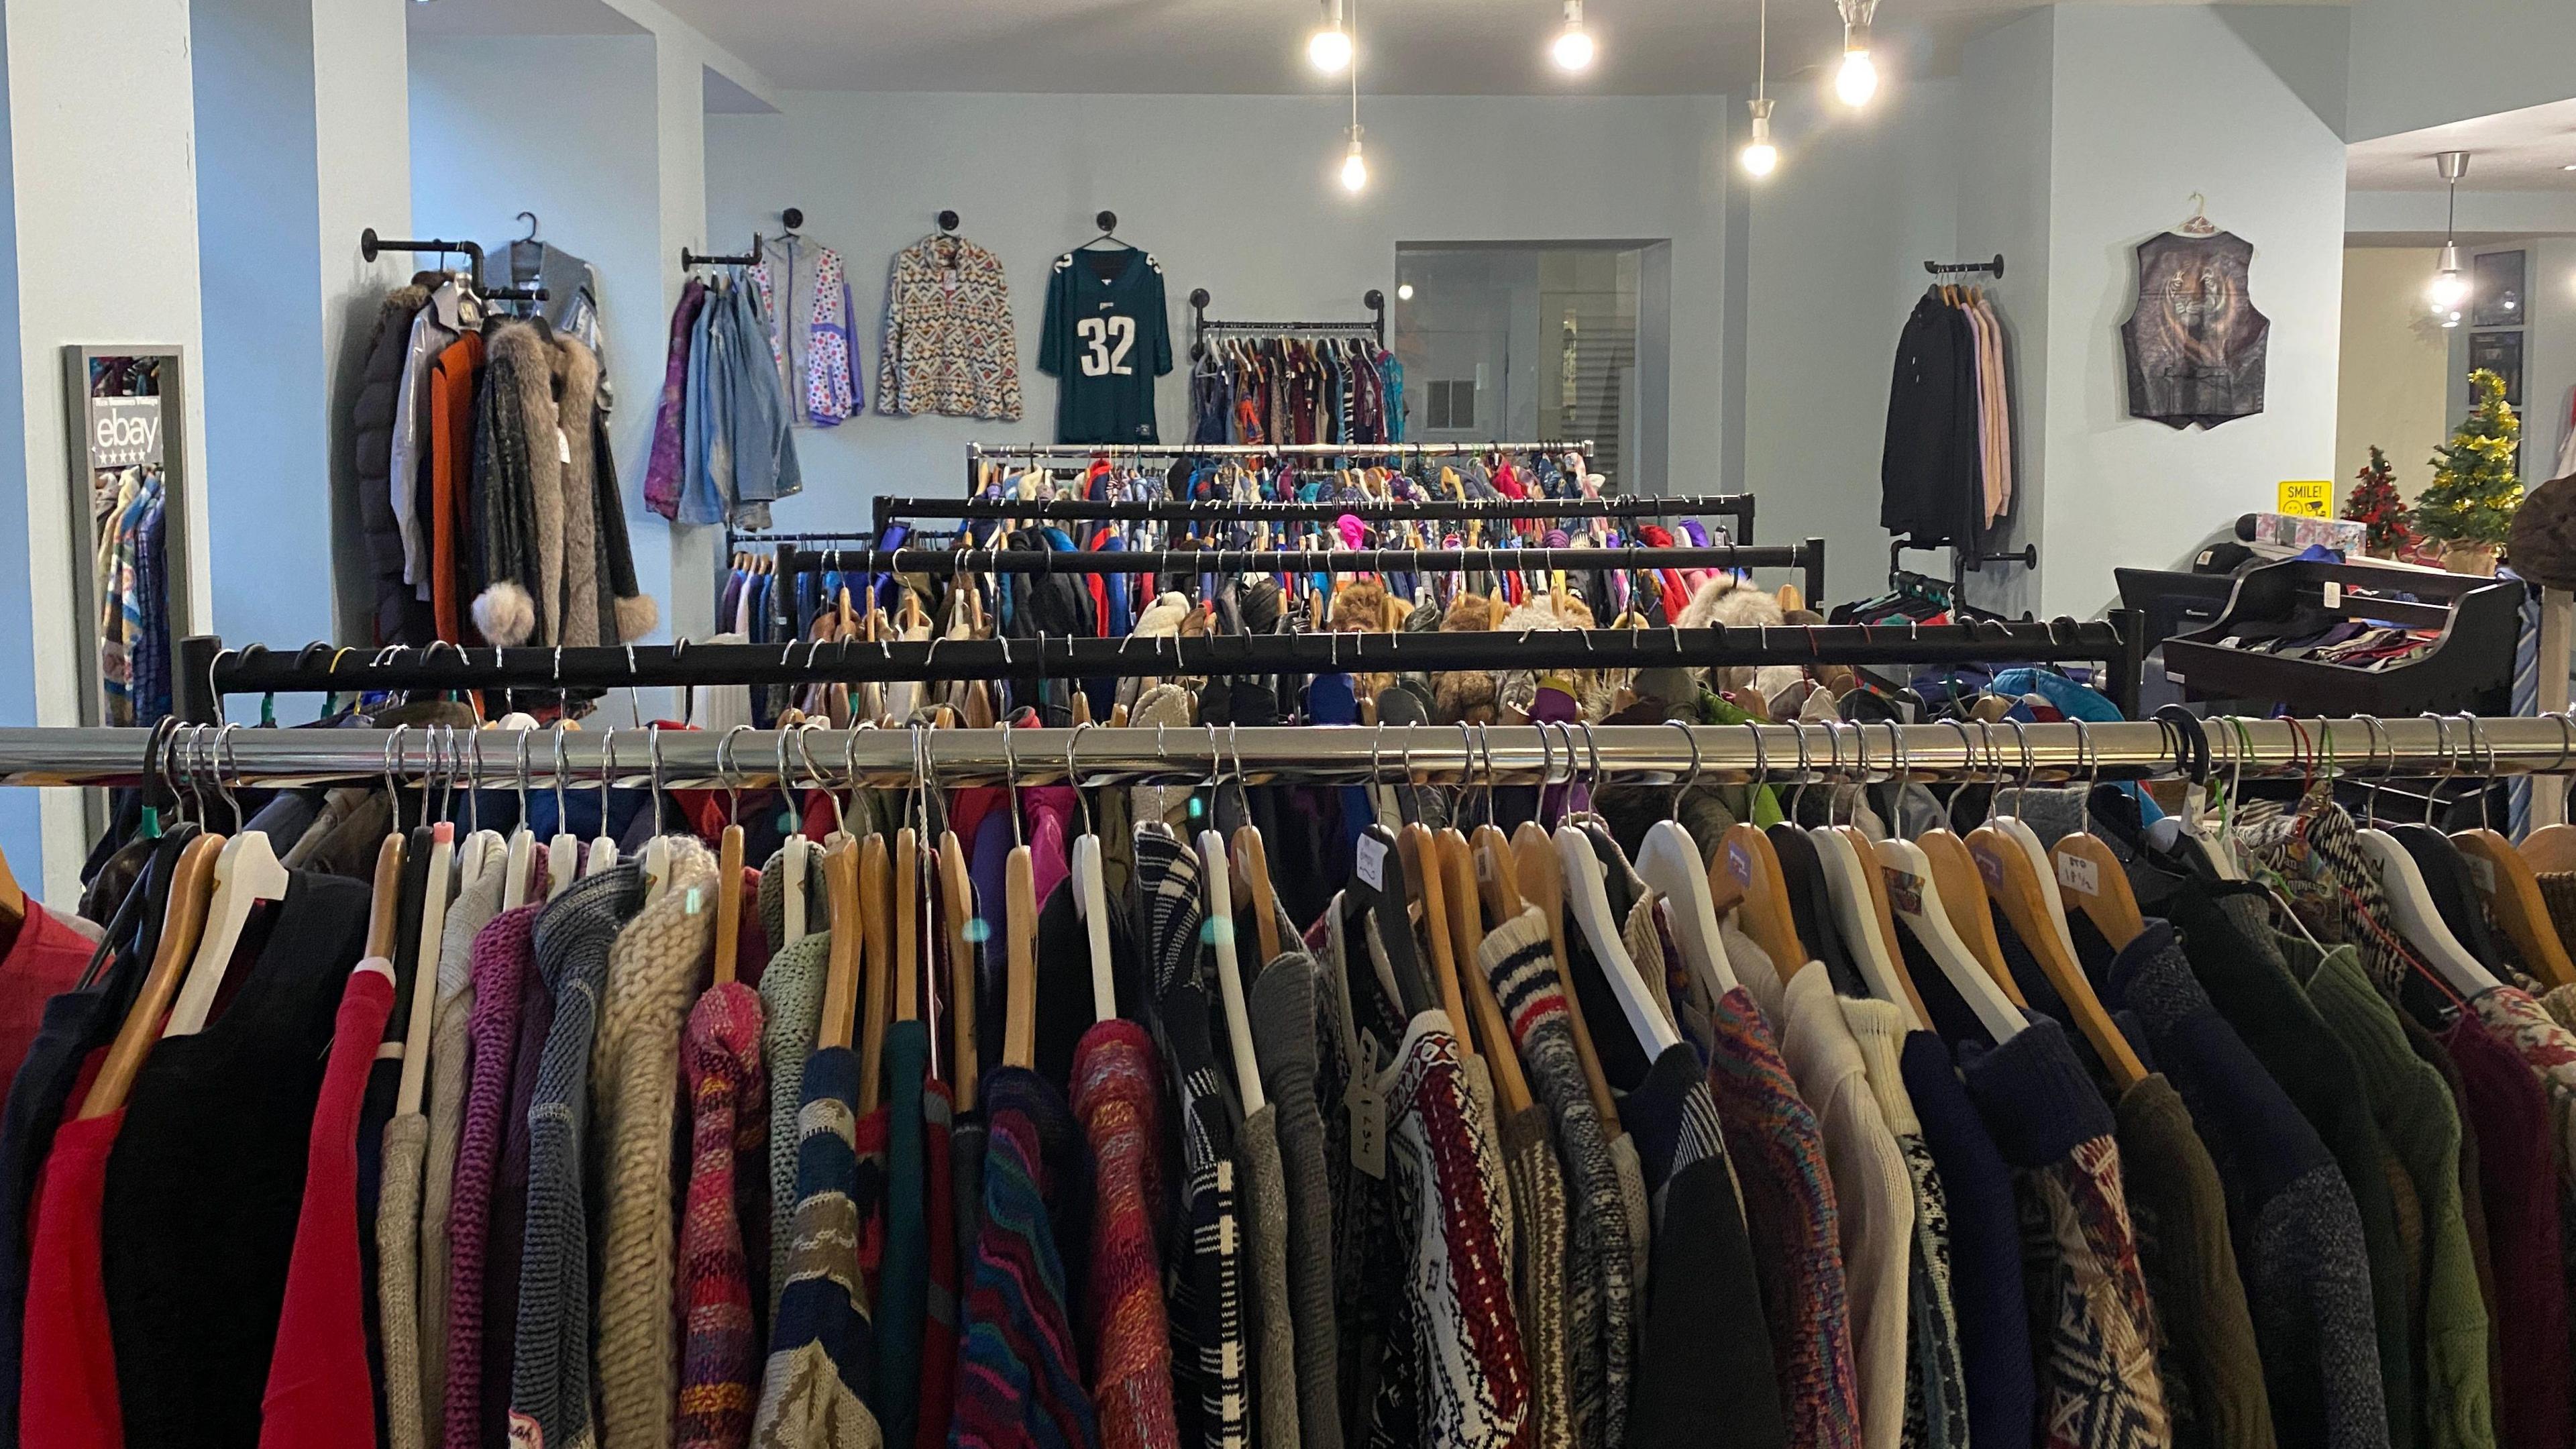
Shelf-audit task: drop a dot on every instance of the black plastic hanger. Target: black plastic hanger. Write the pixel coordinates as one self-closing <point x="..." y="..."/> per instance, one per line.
<point x="1381" y="891"/>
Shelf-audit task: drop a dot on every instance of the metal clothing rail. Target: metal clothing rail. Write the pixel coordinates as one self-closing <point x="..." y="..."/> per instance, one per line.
<point x="1518" y="754"/>
<point x="1201" y="324"/>
<point x="370" y="245"/>
<point x="888" y="511"/>
<point x="207" y="670"/>
<point x="976" y="453"/>
<point x="1808" y="557"/>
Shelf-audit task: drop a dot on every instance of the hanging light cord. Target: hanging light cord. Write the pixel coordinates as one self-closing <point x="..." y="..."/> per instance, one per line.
<point x="1762" y="53"/>
<point x="1351" y="17"/>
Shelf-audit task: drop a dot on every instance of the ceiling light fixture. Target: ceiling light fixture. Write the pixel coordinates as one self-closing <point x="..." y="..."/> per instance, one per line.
<point x="2449" y="290"/>
<point x="1857" y="81"/>
<point x="1354" y="165"/>
<point x="1759" y="157"/>
<point x="1573" y="48"/>
<point x="1329" y="49"/>
<point x="1404" y="291"/>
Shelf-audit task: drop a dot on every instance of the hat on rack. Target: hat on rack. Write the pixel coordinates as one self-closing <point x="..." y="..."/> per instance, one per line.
<point x="1728" y="601"/>
<point x="2542" y="544"/>
<point x="1463" y="695"/>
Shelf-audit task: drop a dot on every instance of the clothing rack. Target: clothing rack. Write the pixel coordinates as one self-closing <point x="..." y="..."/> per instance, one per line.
<point x="977" y="453"/>
<point x="1514" y="754"/>
<point x="1808" y="557"/>
<point x="1963" y="561"/>
<point x="1962" y="269"/>
<point x="690" y="259"/>
<point x="207" y="670"/>
<point x="1201" y="324"/>
<point x="371" y="245"/>
<point x="891" y="510"/>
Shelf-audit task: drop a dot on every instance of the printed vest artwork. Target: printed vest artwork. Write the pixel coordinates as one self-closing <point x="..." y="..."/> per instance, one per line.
<point x="2196" y="346"/>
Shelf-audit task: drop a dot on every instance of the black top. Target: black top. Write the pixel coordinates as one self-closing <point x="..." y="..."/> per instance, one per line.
<point x="1064" y="979"/>
<point x="1928" y="472"/>
<point x="207" y="1177"/>
<point x="1105" y="340"/>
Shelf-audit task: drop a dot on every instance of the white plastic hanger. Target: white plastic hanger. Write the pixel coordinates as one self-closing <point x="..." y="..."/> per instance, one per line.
<point x="603" y="849"/>
<point x="2410" y="901"/>
<point x="563" y="853"/>
<point x="1669" y="861"/>
<point x="246" y="873"/>
<point x="1856" y="911"/>
<point x="1587" y="900"/>
<point x="1090" y="897"/>
<point x="1916" y="899"/>
<point x="424" y="972"/>
<point x="657" y="851"/>
<point x="1217" y="886"/>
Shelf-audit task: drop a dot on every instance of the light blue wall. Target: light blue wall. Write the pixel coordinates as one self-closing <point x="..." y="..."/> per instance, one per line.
<point x="563" y="126"/>
<point x="268" y="396"/>
<point x="21" y="832"/>
<point x="2418" y="63"/>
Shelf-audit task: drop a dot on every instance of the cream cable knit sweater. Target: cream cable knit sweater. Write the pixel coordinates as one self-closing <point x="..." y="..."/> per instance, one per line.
<point x="654" y="973"/>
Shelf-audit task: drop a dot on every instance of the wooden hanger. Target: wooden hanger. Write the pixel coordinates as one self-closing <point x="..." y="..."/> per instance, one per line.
<point x="2410" y="904"/>
<point x="1749" y="860"/>
<point x="1953" y="871"/>
<point x="1467" y="936"/>
<point x="246" y="873"/>
<point x="841" y="971"/>
<point x="191" y="887"/>
<point x="876" y="931"/>
<point x="2086" y="866"/>
<point x="384" y="899"/>
<point x="1422" y="867"/>
<point x="1915" y="896"/>
<point x="957" y="891"/>
<point x="424" y="977"/>
<point x="2015" y="884"/>
<point x="1218" y="891"/>
<point x="1252" y="878"/>
<point x="2551" y="849"/>
<point x="1856" y="911"/>
<point x="1540" y="878"/>
<point x="907" y="925"/>
<point x="2513" y="897"/>
<point x="1588" y="904"/>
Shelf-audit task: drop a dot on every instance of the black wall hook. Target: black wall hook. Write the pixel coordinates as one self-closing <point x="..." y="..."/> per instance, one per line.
<point x="948" y="221"/>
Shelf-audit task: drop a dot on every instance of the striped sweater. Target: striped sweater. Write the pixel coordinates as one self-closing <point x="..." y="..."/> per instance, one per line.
<point x="1019" y="1375"/>
<point x="822" y="1347"/>
<point x="720" y="1351"/>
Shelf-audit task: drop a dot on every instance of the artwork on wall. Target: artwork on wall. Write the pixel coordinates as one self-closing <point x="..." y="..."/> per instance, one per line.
<point x="2197" y="349"/>
<point x="2495" y="290"/>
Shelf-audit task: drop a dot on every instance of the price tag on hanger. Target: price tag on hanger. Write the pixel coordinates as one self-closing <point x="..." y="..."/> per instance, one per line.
<point x="2307" y="498"/>
<point x="1369" y="861"/>
<point x="1367" y="1106"/>
<point x="2079" y="875"/>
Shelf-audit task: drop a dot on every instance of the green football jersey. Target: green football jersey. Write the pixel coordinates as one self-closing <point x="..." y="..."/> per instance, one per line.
<point x="1106" y="339"/>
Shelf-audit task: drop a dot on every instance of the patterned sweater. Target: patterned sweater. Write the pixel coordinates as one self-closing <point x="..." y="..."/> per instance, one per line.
<point x="1936" y="1393"/>
<point x="821" y="1346"/>
<point x="1117" y="1096"/>
<point x="720" y="1353"/>
<point x="1019" y="1376"/>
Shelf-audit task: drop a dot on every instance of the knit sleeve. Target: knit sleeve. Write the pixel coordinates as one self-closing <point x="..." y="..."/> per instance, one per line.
<point x="890" y="354"/>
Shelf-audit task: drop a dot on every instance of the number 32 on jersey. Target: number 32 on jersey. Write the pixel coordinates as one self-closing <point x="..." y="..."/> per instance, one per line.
<point x="1106" y="342"/>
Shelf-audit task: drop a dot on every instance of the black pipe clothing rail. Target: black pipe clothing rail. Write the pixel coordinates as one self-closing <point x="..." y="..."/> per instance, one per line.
<point x="1738" y="506"/>
<point x="208" y="670"/>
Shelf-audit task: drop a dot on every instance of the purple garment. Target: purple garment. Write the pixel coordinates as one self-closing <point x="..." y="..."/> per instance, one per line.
<point x="503" y="951"/>
<point x="662" y="470"/>
<point x="509" y="1216"/>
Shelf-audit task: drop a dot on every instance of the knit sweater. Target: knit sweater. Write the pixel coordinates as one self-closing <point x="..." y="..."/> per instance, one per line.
<point x="1985" y="1244"/>
<point x="1936" y="1393"/>
<point x="2422" y="1126"/>
<point x="1019" y="1377"/>
<point x="821" y="1350"/>
<point x="2212" y="1365"/>
<point x="451" y="1064"/>
<point x="653" y="974"/>
<point x="1117" y="1097"/>
<point x="2092" y="1322"/>
<point x="501" y="956"/>
<point x="550" y="1369"/>
<point x="791" y="1007"/>
<point x="1283" y="1007"/>
<point x="1600" y="1308"/>
<point x="1778" y="1149"/>
<point x="1872" y="1189"/>
<point x="720" y="1359"/>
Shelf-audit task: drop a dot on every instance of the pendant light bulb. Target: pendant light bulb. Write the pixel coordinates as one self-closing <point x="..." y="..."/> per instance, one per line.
<point x="1760" y="157"/>
<point x="1354" y="166"/>
<point x="2449" y="289"/>
<point x="1573" y="48"/>
<point x="1329" y="49"/>
<point x="1857" y="81"/>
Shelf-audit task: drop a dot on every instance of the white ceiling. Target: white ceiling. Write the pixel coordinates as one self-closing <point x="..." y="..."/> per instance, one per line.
<point x="1420" y="47"/>
<point x="2527" y="150"/>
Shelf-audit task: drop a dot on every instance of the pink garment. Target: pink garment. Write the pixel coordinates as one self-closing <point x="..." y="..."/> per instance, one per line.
<point x="503" y="952"/>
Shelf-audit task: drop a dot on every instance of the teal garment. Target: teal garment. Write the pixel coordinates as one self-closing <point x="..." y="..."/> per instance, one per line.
<point x="905" y="1285"/>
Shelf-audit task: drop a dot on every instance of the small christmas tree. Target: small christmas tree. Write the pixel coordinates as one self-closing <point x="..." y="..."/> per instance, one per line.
<point x="2471" y="500"/>
<point x="2376" y="502"/>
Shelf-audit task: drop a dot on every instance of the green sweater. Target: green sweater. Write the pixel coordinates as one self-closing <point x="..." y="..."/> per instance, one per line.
<point x="2422" y="1126"/>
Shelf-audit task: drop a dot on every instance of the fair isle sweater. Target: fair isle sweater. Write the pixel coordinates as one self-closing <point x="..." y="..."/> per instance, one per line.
<point x="550" y="1381"/>
<point x="721" y="1351"/>
<point x="791" y="1007"/>
<point x="653" y="976"/>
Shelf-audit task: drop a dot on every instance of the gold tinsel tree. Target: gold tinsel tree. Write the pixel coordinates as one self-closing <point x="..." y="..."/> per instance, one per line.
<point x="2474" y="491"/>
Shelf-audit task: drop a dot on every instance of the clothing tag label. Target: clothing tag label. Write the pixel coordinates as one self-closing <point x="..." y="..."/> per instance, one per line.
<point x="1989" y="867"/>
<point x="1904" y="890"/>
<point x="2483" y="872"/>
<point x="1368" y="1111"/>
<point x="525" y="1432"/>
<point x="1739" y="864"/>
<point x="1484" y="866"/>
<point x="2079" y="875"/>
<point x="563" y="445"/>
<point x="949" y="280"/>
<point x="2334" y="594"/>
<point x="1369" y="860"/>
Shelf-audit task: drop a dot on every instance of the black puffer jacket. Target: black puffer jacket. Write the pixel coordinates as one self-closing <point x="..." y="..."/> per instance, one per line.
<point x="401" y="616"/>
